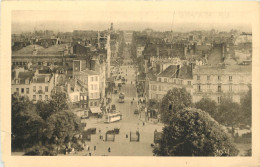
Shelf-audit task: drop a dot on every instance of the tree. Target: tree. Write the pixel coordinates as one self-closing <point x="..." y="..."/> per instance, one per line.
<point x="175" y="100"/>
<point x="59" y="101"/>
<point x="194" y="133"/>
<point x="207" y="105"/>
<point x="62" y="126"/>
<point x="246" y="108"/>
<point x="45" y="123"/>
<point x="27" y="125"/>
<point x="228" y="112"/>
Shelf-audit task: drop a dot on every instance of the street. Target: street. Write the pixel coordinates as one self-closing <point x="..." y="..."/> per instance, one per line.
<point x="130" y="123"/>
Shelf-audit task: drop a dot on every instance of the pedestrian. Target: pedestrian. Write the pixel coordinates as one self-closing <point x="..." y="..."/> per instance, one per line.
<point x="143" y="123"/>
<point x="100" y="137"/>
<point x="89" y="154"/>
<point x="88" y="148"/>
<point x="95" y="147"/>
<point x="126" y="136"/>
<point x="109" y="150"/>
<point x="133" y="98"/>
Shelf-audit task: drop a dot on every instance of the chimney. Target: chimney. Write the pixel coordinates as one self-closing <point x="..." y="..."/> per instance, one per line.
<point x="158" y="51"/>
<point x="178" y="71"/>
<point x="223" y="50"/>
<point x="191" y="68"/>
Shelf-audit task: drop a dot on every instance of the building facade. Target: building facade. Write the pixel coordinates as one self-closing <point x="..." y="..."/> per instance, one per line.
<point x="32" y="84"/>
<point x="173" y="76"/>
<point x="218" y="82"/>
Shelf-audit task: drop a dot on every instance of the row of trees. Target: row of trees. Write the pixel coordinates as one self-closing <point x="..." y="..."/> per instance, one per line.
<point x="197" y="129"/>
<point x="227" y="113"/>
<point x="47" y="125"/>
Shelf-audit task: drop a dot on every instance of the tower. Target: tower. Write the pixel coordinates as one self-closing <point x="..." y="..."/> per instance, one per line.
<point x="111" y="27"/>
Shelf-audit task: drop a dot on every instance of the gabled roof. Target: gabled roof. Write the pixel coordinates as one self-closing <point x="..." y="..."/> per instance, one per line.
<point x="185" y="72"/>
<point x="169" y="71"/>
<point x="25" y="75"/>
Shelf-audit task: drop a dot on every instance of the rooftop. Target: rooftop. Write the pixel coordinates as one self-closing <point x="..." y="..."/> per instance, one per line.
<point x="28" y="50"/>
<point x="89" y="72"/>
<point x="169" y="71"/>
<point x="247" y="69"/>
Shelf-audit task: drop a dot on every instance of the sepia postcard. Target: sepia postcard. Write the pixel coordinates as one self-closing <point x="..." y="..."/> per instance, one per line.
<point x="130" y="83"/>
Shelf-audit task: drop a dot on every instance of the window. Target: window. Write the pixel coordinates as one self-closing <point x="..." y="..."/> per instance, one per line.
<point x="91" y="103"/>
<point x="96" y="78"/>
<point x="165" y="79"/>
<point x="95" y="103"/>
<point x="230" y="87"/>
<point x="40" y="97"/>
<point x="34" y="88"/>
<point x="91" y="95"/>
<point x="219" y="78"/>
<point x="230" y="78"/>
<point x="198" y="77"/>
<point x="85" y="106"/>
<point x="46" y="89"/>
<point x="81" y="97"/>
<point x="46" y="97"/>
<point x="92" y="78"/>
<point x="34" y="97"/>
<point x="208" y="77"/>
<point x="22" y="90"/>
<point x="219" y="88"/>
<point x="189" y="82"/>
<point x="154" y="87"/>
<point x="27" y="90"/>
<point x="40" y="87"/>
<point x="219" y="99"/>
<point x="17" y="90"/>
<point x="199" y="88"/>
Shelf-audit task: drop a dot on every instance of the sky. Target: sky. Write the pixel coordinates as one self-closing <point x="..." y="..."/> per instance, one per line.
<point x="177" y="20"/>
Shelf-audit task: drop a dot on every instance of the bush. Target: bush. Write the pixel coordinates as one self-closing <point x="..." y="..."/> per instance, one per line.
<point x="41" y="151"/>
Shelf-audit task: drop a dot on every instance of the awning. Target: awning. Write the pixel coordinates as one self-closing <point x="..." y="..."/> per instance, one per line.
<point x="95" y="110"/>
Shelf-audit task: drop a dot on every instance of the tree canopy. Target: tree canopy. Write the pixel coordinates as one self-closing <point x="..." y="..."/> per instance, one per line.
<point x="194" y="133"/>
<point x="176" y="99"/>
<point x="228" y="112"/>
<point x="207" y="105"/>
<point x="49" y="123"/>
<point x="246" y="108"/>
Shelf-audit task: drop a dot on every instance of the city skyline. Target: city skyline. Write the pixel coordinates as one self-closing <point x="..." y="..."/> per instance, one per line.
<point x="177" y="21"/>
